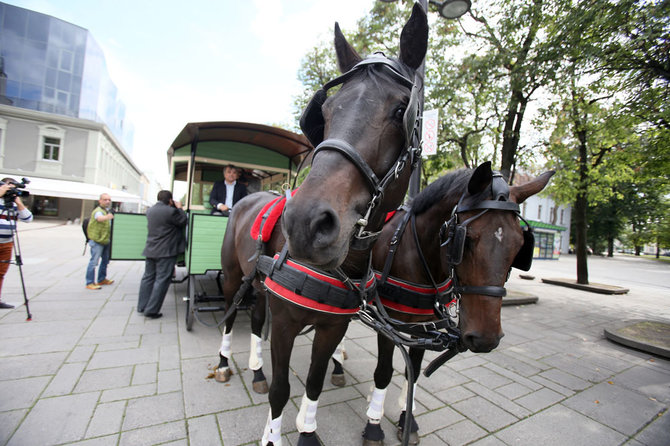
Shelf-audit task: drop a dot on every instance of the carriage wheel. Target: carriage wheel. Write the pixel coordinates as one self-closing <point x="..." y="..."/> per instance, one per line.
<point x="190" y="303"/>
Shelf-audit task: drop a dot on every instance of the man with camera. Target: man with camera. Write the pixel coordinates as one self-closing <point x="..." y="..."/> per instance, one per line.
<point x="165" y="240"/>
<point x="99" y="230"/>
<point x="11" y="210"/>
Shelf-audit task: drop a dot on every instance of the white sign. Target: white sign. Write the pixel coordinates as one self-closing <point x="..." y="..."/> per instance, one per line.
<point x="429" y="132"/>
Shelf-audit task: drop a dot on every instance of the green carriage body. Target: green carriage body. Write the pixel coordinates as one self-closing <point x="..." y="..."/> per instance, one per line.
<point x="269" y="156"/>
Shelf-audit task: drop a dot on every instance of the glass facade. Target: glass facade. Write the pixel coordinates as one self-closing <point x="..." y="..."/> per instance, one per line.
<point x="51" y="65"/>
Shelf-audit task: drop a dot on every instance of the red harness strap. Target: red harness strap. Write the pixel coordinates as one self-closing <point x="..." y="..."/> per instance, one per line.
<point x="408" y="297"/>
<point x="312" y="289"/>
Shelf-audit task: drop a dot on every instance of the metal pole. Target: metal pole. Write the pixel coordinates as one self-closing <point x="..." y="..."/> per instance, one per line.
<point x="415" y="179"/>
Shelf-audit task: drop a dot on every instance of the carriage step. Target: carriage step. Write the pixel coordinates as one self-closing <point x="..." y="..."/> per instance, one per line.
<point x="209" y="309"/>
<point x="199" y="298"/>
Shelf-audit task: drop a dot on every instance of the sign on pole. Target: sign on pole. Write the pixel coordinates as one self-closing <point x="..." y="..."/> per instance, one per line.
<point x="429" y="132"/>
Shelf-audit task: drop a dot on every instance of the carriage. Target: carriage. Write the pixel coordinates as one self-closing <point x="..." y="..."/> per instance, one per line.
<point x="270" y="157"/>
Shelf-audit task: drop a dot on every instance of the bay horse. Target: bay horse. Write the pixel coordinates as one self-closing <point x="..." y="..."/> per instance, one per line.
<point x="364" y="136"/>
<point x="418" y="270"/>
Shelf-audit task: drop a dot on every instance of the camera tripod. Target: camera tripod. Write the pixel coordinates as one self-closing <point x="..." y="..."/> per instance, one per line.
<point x="11" y="214"/>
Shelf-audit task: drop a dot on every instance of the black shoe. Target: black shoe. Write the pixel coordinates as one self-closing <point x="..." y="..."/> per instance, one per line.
<point x="5" y="306"/>
<point x="153" y="315"/>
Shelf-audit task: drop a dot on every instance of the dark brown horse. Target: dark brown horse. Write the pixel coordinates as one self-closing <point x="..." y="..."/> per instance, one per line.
<point x="431" y="254"/>
<point x="360" y="171"/>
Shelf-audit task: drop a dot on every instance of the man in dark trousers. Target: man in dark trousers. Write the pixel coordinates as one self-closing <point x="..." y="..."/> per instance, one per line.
<point x="226" y="193"/>
<point x="166" y="221"/>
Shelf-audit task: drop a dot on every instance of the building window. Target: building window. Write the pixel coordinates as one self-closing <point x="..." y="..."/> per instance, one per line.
<point x="51" y="148"/>
<point x="539" y="212"/>
<point x="562" y="216"/>
<point x="52" y="143"/>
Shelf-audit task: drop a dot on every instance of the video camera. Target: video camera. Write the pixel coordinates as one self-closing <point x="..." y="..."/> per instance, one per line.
<point x="17" y="191"/>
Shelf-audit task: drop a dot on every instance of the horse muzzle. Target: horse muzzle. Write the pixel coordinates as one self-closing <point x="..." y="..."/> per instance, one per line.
<point x="313" y="231"/>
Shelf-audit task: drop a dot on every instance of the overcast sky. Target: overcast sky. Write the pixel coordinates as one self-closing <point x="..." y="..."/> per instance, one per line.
<point x="195" y="60"/>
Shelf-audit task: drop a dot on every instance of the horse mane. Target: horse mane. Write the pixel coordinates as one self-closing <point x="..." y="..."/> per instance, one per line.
<point x="449" y="186"/>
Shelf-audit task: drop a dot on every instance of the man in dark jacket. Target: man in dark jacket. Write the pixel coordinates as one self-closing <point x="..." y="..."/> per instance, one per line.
<point x="166" y="221"/>
<point x="226" y="193"/>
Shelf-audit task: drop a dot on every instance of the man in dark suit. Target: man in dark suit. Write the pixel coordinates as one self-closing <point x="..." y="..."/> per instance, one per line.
<point x="165" y="221"/>
<point x="226" y="193"/>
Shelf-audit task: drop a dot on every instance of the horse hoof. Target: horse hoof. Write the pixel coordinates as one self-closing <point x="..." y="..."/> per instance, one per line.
<point x="413" y="437"/>
<point x="223" y="375"/>
<point x="260" y="387"/>
<point x="338" y="380"/>
<point x="309" y="439"/>
<point x="373" y="435"/>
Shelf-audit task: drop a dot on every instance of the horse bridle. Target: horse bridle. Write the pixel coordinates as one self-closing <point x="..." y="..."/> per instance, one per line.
<point x="457" y="232"/>
<point x="362" y="239"/>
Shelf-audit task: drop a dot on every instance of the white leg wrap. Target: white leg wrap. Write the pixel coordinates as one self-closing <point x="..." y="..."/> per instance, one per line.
<point x="402" y="398"/>
<point x="227" y="345"/>
<point x="339" y="353"/>
<point x="306" y="419"/>
<point x="255" y="353"/>
<point x="272" y="432"/>
<point x="376" y="404"/>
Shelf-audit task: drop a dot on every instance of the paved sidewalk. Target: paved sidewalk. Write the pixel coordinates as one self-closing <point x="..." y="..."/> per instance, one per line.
<point x="88" y="370"/>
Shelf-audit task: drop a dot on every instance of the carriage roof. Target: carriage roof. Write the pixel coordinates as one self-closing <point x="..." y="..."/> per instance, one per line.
<point x="241" y="143"/>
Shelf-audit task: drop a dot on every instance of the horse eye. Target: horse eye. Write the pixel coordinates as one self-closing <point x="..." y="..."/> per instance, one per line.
<point x="399" y="113"/>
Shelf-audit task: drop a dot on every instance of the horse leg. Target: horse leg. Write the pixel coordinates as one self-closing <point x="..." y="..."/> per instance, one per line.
<point x="232" y="280"/>
<point x="283" y="337"/>
<point x="223" y="373"/>
<point x="416" y="356"/>
<point x="259" y="383"/>
<point x="373" y="435"/>
<point x="326" y="339"/>
<point x="337" y="378"/>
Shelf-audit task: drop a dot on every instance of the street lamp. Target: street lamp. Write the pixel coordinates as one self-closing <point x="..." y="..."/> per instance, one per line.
<point x="449" y="9"/>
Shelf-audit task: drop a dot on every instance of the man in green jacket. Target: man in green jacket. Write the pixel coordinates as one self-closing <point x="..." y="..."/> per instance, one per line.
<point x="99" y="230"/>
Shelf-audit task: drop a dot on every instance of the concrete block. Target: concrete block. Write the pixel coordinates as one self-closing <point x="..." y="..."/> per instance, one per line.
<point x="56" y="420"/>
<point x="21" y="393"/>
<point x="603" y="402"/>
<point x="540" y="399"/>
<point x="461" y="433"/>
<point x="103" y="379"/>
<point x="145" y="374"/>
<point x="485" y="413"/>
<point x="169" y="381"/>
<point x="106" y="419"/>
<point x="159" y="434"/>
<point x="559" y="426"/>
<point x="153" y="410"/>
<point x="203" y="431"/>
<point x="125" y="393"/>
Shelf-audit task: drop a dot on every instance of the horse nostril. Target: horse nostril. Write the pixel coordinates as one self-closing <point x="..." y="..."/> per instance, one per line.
<point x="324" y="226"/>
<point x="478" y="343"/>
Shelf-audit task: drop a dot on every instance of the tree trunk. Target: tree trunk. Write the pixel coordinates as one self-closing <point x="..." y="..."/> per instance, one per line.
<point x="580" y="239"/>
<point x="610" y="246"/>
<point x="511" y="131"/>
<point x="581" y="201"/>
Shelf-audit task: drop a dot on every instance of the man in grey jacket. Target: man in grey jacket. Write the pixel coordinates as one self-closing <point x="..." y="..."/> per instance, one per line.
<point x="165" y="221"/>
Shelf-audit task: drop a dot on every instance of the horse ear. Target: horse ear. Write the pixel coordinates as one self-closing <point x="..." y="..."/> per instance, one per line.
<point x="481" y="178"/>
<point x="414" y="38"/>
<point x="519" y="194"/>
<point x="347" y="56"/>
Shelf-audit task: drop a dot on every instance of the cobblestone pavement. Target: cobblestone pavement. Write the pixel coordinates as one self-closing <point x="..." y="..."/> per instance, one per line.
<point x="89" y="370"/>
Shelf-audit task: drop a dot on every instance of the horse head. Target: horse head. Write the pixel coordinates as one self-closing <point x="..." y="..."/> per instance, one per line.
<point x="487" y="241"/>
<point x="362" y="134"/>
